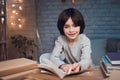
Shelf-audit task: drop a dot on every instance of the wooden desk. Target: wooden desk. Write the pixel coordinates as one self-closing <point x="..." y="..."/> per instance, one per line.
<point x="95" y="74"/>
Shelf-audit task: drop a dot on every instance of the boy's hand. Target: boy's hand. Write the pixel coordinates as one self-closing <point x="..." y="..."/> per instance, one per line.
<point x="66" y="67"/>
<point x="70" y="68"/>
<point x="75" y="67"/>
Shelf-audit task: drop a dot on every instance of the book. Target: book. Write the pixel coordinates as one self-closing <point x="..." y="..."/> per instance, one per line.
<point x="13" y="66"/>
<point x="51" y="68"/>
<point x="114" y="58"/>
<point x="108" y="65"/>
<point x="37" y="76"/>
<point x="104" y="69"/>
<point x="20" y="75"/>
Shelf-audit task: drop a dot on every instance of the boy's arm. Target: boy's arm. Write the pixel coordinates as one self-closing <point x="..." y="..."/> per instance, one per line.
<point x="55" y="56"/>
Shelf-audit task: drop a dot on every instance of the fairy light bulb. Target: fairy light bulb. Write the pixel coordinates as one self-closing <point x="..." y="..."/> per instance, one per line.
<point x="16" y="18"/>
<point x="20" y="8"/>
<point x="12" y="23"/>
<point x="16" y="13"/>
<point x="13" y="5"/>
<point x="20" y="1"/>
<point x="20" y="26"/>
<point x="19" y="19"/>
<point x="2" y="20"/>
<point x="2" y="12"/>
<point x="13" y="11"/>
<point x="11" y="16"/>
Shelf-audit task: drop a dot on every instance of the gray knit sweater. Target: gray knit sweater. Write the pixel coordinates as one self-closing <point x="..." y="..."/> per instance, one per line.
<point x="81" y="50"/>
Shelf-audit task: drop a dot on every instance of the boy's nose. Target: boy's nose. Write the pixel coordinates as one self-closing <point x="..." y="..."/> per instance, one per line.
<point x="71" y="29"/>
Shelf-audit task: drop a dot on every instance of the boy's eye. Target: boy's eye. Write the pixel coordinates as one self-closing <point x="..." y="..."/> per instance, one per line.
<point x="66" y="26"/>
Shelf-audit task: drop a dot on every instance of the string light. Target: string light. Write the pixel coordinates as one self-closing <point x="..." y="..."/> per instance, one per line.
<point x="19" y="19"/>
<point x="2" y="20"/>
<point x="16" y="13"/>
<point x="13" y="11"/>
<point x="16" y="18"/>
<point x="13" y="5"/>
<point x="20" y="1"/>
<point x="12" y="23"/>
<point x="12" y="17"/>
<point x="19" y="25"/>
<point x="2" y="12"/>
<point x="20" y="8"/>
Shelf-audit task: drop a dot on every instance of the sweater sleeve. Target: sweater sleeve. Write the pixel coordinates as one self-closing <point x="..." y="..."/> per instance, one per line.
<point x="86" y="60"/>
<point x="56" y="54"/>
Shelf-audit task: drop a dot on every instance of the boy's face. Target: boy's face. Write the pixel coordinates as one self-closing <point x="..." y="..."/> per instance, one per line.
<point x="70" y="30"/>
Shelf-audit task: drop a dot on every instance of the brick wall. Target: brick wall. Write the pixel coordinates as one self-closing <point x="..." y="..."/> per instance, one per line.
<point x="27" y="16"/>
<point x="102" y="19"/>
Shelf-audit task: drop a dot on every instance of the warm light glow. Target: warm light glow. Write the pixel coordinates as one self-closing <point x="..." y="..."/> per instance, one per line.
<point x="20" y="8"/>
<point x="11" y="16"/>
<point x="16" y="17"/>
<point x="2" y="12"/>
<point x="19" y="25"/>
<point x="13" y="5"/>
<point x="19" y="19"/>
<point x="20" y="1"/>
<point x="2" y="20"/>
<point x="13" y="11"/>
<point x="16" y="13"/>
<point x="12" y="23"/>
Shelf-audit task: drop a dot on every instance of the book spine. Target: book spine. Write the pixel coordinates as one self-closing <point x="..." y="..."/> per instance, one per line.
<point x="103" y="69"/>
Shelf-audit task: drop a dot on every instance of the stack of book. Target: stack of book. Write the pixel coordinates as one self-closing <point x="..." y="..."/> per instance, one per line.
<point x="110" y="62"/>
<point x="16" y="68"/>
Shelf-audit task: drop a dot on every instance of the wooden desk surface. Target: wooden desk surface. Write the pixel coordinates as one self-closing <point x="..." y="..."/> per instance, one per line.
<point x="95" y="74"/>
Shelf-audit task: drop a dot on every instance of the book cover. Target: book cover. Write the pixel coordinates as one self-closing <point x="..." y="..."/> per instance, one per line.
<point x="13" y="66"/>
<point x="60" y="73"/>
<point x="114" y="58"/>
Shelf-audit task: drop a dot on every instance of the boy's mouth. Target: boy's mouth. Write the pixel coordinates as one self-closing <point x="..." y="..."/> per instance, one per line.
<point x="73" y="34"/>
